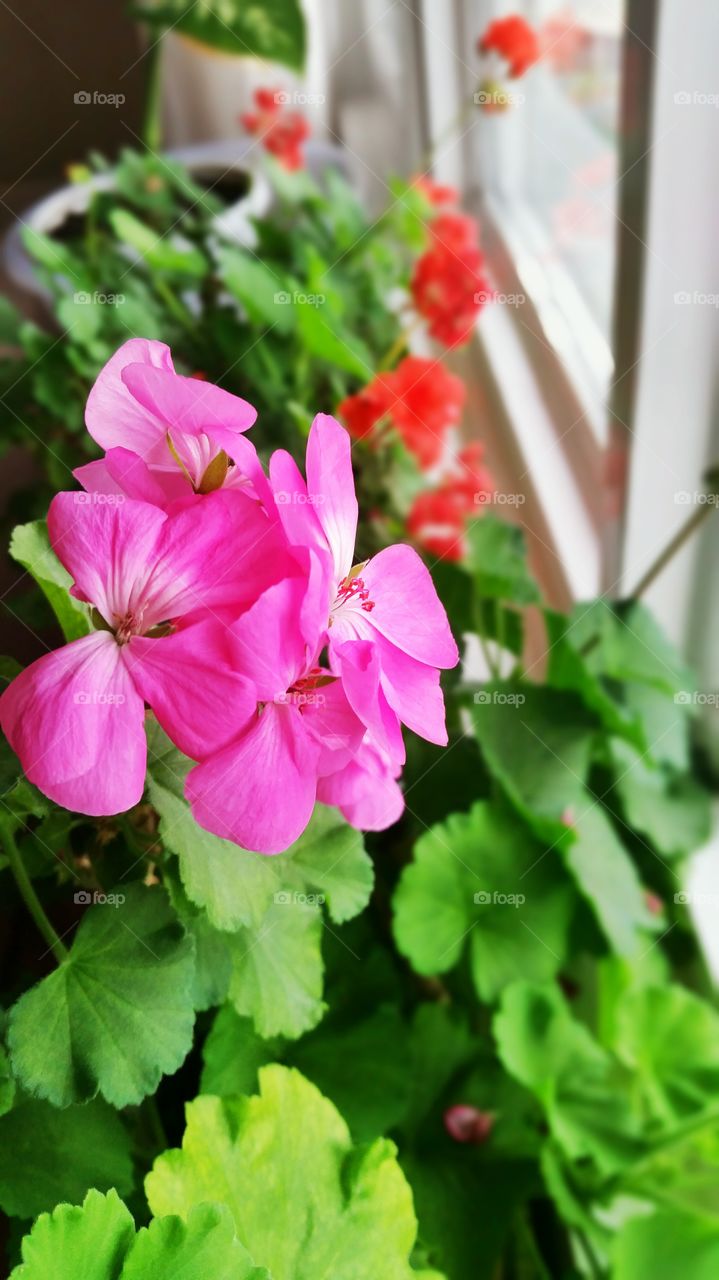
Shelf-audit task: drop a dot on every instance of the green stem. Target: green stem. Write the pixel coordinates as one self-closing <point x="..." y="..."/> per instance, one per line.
<point x="174" y="306"/>
<point x="662" y="560"/>
<point x="399" y="345"/>
<point x="152" y="123"/>
<point x="28" y="894"/>
<point x="454" y="126"/>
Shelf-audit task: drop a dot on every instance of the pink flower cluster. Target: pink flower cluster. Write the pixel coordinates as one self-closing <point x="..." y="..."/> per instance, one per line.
<point x="228" y="602"/>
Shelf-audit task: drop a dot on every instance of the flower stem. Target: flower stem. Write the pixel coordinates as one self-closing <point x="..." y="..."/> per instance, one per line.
<point x="399" y="345"/>
<point x="27" y="892"/>
<point x="672" y="547"/>
<point x="152" y="124"/>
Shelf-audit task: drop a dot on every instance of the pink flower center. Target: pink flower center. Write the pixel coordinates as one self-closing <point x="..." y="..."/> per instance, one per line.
<point x="129" y="626"/>
<point x="352" y="591"/>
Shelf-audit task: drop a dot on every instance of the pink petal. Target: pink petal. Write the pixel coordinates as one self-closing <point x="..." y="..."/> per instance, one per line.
<point x="95" y="478"/>
<point x="201" y="703"/>
<point x="186" y="404"/>
<point x="407" y="609"/>
<point x="328" y="716"/>
<point x="108" y="548"/>
<point x="76" y="722"/>
<point x="365" y="791"/>
<point x="330" y="484"/>
<point x="359" y="667"/>
<point x="260" y="791"/>
<point x="412" y="690"/>
<point x="113" y="416"/>
<point x="134" y="478"/>
<point x="294" y="508"/>
<point x="268" y="645"/>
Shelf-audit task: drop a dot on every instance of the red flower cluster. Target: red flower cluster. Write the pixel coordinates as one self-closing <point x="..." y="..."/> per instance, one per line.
<point x="437" y="520"/>
<point x="420" y="399"/>
<point x="449" y="287"/>
<point x="434" y="192"/>
<point x="514" y="40"/>
<point x="281" y="132"/>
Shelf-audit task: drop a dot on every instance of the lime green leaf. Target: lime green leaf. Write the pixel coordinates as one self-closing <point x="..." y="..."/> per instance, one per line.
<point x="497" y="559"/>
<point x="584" y="1091"/>
<point x="570" y="669"/>
<point x="607" y="877"/>
<point x="170" y="253"/>
<point x="54" y="256"/>
<point x="48" y="1155"/>
<point x="30" y="546"/>
<point x="270" y="29"/>
<point x="332" y="343"/>
<point x="537" y="742"/>
<point x="277" y="969"/>
<point x="97" y="1241"/>
<point x="670" y="1038"/>
<point x="339" y="1211"/>
<point x="260" y="288"/>
<point x="117" y="1014"/>
<point x="666" y="1245"/>
<point x="481" y="880"/>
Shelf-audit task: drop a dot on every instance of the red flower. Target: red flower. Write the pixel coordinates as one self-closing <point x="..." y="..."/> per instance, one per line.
<point x="281" y="132"/>
<point x="434" y="192"/>
<point x="514" y="40"/>
<point x="455" y="231"/>
<point x="437" y="520"/>
<point x="420" y="398"/>
<point x="449" y="289"/>
<point x="468" y="1124"/>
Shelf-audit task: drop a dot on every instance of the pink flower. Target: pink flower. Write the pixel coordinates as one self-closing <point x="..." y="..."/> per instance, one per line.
<point x="387" y="632"/>
<point x="75" y="717"/>
<point x="260" y="790"/>
<point x="166" y="436"/>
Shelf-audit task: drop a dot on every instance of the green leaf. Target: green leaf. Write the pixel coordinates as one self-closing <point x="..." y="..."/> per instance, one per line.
<point x="30" y="546"/>
<point x="666" y="1245"/>
<point x="481" y="880"/>
<point x="304" y="1202"/>
<point x="331" y="342"/>
<point x="607" y="877"/>
<point x="570" y="669"/>
<point x="497" y="559"/>
<point x="670" y="1038"/>
<point x="670" y="809"/>
<point x="330" y="858"/>
<point x="262" y="290"/>
<point x="167" y="253"/>
<point x="277" y="970"/>
<point x="584" y="1091"/>
<point x="48" y="1155"/>
<point x="117" y="1014"/>
<point x="270" y="29"/>
<point x="98" y="1242"/>
<point x="537" y="742"/>
<point x="233" y="1054"/>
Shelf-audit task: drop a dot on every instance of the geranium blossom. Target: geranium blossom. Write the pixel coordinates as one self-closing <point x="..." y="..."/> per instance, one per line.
<point x="437" y="520"/>
<point x="421" y="399"/>
<point x="387" y="633"/>
<point x="165" y="435"/>
<point x="281" y="132"/>
<point x="514" y="40"/>
<point x="75" y="717"/>
<point x="449" y="288"/>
